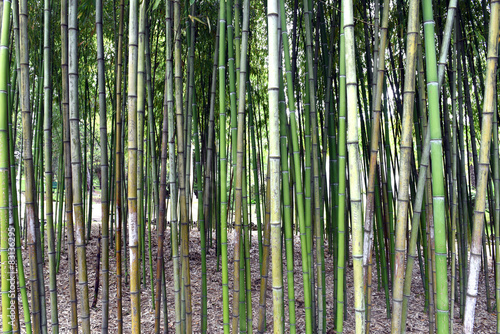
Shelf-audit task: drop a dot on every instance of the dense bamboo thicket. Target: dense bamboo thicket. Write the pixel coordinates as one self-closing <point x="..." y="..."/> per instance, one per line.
<point x="340" y="156"/>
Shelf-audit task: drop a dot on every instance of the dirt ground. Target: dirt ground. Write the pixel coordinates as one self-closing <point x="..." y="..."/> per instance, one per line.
<point x="417" y="318"/>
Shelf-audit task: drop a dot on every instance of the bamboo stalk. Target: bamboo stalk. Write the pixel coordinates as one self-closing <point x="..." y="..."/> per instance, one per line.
<point x="118" y="169"/>
<point x="6" y="237"/>
<point x="74" y="119"/>
<point x="341" y="198"/>
<point x="30" y="196"/>
<point x="48" y="168"/>
<point x="406" y="151"/>
<point x="104" y="167"/>
<point x="483" y="168"/>
<point x="353" y="158"/>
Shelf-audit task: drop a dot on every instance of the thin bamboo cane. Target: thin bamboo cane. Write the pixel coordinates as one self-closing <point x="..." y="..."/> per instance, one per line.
<point x="150" y="211"/>
<point x="6" y="237"/>
<point x="462" y="172"/>
<point x="181" y="167"/>
<point x="48" y="168"/>
<point x="16" y="88"/>
<point x="151" y="129"/>
<point x="19" y="258"/>
<point x="223" y="164"/>
<point x="286" y="190"/>
<point x="118" y="169"/>
<point x="341" y="200"/>
<point x="206" y="193"/>
<point x="104" y="167"/>
<point x="188" y="118"/>
<point x="240" y="152"/>
<point x="254" y="169"/>
<point x="298" y="182"/>
<point x="239" y="171"/>
<point x="311" y="130"/>
<point x="247" y="239"/>
<point x="174" y="222"/>
<point x="167" y="116"/>
<point x="201" y="219"/>
<point x="68" y="175"/>
<point x="261" y="324"/>
<point x="30" y="197"/>
<point x="74" y="119"/>
<point x="379" y="68"/>
<point x="454" y="203"/>
<point x="496" y="178"/>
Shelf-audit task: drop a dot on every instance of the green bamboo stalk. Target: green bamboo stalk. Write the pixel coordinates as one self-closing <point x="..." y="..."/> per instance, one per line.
<point x="388" y="198"/>
<point x="287" y="220"/>
<point x="151" y="132"/>
<point x="311" y="143"/>
<point x="201" y="219"/>
<point x="205" y="214"/>
<point x="30" y="196"/>
<point x="342" y="183"/>
<point x="307" y="193"/>
<point x="454" y="203"/>
<point x="47" y="77"/>
<point x="424" y="161"/>
<point x="181" y="168"/>
<point x="464" y="237"/>
<point x="150" y="211"/>
<point x="104" y="166"/>
<point x="261" y="324"/>
<point x="254" y="169"/>
<point x="438" y="189"/>
<point x="223" y="164"/>
<point x="232" y="87"/>
<point x="152" y="196"/>
<point x="379" y="69"/>
<point x="6" y="237"/>
<point x="483" y="168"/>
<point x="406" y="151"/>
<point x="91" y="171"/>
<point x="237" y="45"/>
<point x="496" y="216"/>
<point x="168" y="101"/>
<point x="299" y="192"/>
<point x="188" y="113"/>
<point x="353" y="158"/>
<point x="67" y="168"/>
<point x="19" y="257"/>
<point x="247" y="238"/>
<point x="118" y="169"/>
<point x="318" y="220"/>
<point x="240" y="152"/>
<point x="161" y="212"/>
<point x="74" y="119"/>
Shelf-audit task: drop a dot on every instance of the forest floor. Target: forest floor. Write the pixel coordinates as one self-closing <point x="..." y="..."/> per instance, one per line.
<point x="417" y="317"/>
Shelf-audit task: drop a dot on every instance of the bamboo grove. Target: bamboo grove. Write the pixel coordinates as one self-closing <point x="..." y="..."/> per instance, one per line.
<point x="241" y="166"/>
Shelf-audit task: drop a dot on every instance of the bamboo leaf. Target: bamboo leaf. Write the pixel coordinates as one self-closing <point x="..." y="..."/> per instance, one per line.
<point x="193" y="18"/>
<point x="156" y="3"/>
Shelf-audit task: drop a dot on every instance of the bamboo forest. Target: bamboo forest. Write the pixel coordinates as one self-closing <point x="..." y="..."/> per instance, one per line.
<point x="243" y="166"/>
